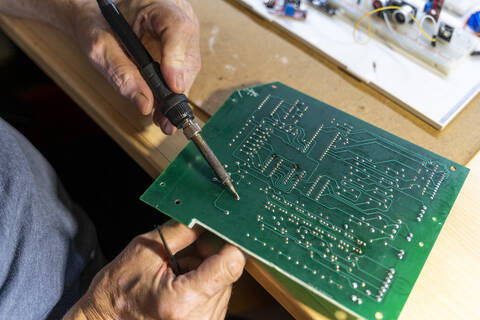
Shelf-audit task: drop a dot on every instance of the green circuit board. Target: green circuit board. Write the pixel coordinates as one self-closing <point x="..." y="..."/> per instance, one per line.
<point x="344" y="209"/>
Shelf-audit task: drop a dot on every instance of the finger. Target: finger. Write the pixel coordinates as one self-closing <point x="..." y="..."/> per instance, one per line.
<point x="216" y="272"/>
<point x="209" y="244"/>
<point x="223" y="303"/>
<point x="176" y="235"/>
<point x="189" y="263"/>
<point x="193" y="59"/>
<point x="109" y="58"/>
<point x="166" y="279"/>
<point x="160" y="120"/>
<point x="216" y="305"/>
<point x="173" y="26"/>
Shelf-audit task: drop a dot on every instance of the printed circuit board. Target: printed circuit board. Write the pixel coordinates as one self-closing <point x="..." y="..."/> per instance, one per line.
<point x="343" y="208"/>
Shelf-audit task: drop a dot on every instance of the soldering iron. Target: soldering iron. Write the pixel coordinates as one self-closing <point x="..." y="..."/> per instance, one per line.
<point x="174" y="106"/>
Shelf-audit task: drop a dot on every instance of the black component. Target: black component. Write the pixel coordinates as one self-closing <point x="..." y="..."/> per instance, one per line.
<point x="324" y="7"/>
<point x="396" y="3"/>
<point x="434" y="43"/>
<point x="296" y="3"/>
<point x="399" y="17"/>
<point x="174" y="106"/>
<point x="402" y="15"/>
<point x="475" y="53"/>
<point x="270" y="3"/>
<point x="445" y="32"/>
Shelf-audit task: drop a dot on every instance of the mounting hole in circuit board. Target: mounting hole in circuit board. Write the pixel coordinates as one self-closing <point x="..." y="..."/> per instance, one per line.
<point x="162" y="184"/>
<point x="177" y="202"/>
<point x="452" y="168"/>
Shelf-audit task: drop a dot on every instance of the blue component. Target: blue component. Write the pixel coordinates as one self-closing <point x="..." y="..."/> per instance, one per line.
<point x="474" y="22"/>
<point x="428" y="6"/>
<point x="289" y="10"/>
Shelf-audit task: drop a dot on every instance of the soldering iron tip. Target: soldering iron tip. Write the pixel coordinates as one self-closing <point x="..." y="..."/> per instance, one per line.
<point x="232" y="189"/>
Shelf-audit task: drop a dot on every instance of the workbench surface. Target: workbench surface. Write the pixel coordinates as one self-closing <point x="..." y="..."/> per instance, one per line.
<point x="240" y="50"/>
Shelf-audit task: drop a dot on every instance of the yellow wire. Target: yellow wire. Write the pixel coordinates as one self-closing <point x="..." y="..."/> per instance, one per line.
<point x="383" y="9"/>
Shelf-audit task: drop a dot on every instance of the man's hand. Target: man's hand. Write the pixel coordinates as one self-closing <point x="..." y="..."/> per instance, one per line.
<point x="168" y="28"/>
<point x="170" y="31"/>
<point x="138" y="284"/>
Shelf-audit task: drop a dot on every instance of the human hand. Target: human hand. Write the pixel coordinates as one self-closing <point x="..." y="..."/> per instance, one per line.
<point x="138" y="284"/>
<point x="169" y="30"/>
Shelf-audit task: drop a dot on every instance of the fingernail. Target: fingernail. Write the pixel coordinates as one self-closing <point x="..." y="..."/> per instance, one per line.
<point x="162" y="123"/>
<point x="140" y="102"/>
<point x="168" y="128"/>
<point x="180" y="82"/>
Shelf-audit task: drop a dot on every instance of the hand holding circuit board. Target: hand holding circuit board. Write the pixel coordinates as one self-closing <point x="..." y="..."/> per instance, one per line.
<point x="148" y="286"/>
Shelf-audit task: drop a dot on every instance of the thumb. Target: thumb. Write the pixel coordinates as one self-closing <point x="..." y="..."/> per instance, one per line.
<point x="216" y="272"/>
<point x="177" y="236"/>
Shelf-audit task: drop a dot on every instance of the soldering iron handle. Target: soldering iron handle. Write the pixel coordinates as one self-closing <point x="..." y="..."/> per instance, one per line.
<point x="174" y="106"/>
<point x="125" y="33"/>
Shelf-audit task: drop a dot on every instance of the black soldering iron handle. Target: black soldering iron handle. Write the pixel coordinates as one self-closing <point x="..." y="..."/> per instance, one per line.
<point x="174" y="106"/>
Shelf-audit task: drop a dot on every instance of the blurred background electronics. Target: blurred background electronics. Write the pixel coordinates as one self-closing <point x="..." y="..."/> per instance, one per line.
<point x="424" y="54"/>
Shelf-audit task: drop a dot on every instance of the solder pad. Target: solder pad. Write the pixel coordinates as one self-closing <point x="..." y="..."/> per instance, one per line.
<point x="343" y="208"/>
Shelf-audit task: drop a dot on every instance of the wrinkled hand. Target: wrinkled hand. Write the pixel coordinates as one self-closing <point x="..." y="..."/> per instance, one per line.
<point x="138" y="284"/>
<point x="169" y="30"/>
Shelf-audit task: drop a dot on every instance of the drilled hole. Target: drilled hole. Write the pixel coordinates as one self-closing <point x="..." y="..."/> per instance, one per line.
<point x="453" y="168"/>
<point x="177" y="202"/>
<point x="274" y="86"/>
<point x="162" y="184"/>
<point x="420" y="244"/>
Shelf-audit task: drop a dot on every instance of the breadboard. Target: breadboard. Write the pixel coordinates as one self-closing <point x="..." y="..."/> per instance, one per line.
<point x="406" y="70"/>
<point x="345" y="209"/>
<point x="407" y="38"/>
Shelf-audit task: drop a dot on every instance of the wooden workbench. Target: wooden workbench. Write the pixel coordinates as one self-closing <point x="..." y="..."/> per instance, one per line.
<point x="240" y="50"/>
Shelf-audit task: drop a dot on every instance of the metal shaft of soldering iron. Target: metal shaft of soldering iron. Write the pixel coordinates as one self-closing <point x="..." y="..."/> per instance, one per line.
<point x="174" y="106"/>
